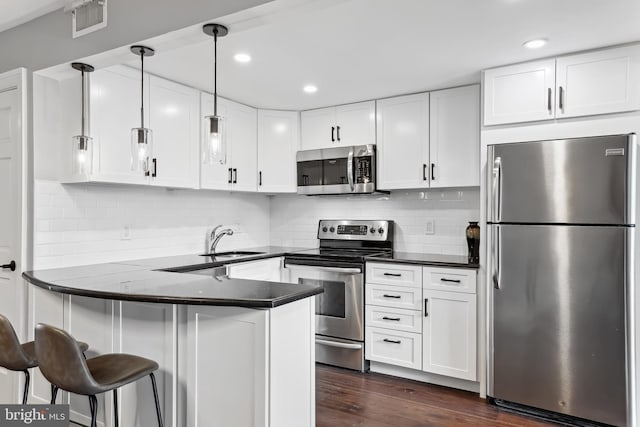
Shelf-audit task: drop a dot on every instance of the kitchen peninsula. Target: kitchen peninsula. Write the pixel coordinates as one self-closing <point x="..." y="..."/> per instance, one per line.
<point x="231" y="351"/>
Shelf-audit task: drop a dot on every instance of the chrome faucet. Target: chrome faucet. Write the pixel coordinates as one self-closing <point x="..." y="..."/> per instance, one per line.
<point x="214" y="237"/>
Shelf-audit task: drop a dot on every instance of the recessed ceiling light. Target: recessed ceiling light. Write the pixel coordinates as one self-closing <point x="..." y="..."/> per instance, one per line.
<point x="310" y="89"/>
<point x="535" y="43"/>
<point x="242" y="58"/>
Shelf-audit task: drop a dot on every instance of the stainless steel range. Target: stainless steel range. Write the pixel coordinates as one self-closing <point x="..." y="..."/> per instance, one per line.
<point x="338" y="266"/>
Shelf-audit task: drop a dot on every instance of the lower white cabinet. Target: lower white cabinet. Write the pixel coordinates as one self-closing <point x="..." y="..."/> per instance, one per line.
<point x="427" y="321"/>
<point x="265" y="269"/>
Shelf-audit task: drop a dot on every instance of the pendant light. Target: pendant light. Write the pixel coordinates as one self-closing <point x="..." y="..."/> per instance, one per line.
<point x="142" y="137"/>
<point x="214" y="150"/>
<point x="82" y="149"/>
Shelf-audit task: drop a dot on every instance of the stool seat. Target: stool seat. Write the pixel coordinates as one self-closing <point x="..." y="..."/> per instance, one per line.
<point x="115" y="370"/>
<point x="30" y="351"/>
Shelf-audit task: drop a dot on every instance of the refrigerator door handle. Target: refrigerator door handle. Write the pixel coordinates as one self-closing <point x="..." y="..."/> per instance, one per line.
<point x="497" y="189"/>
<point x="495" y="256"/>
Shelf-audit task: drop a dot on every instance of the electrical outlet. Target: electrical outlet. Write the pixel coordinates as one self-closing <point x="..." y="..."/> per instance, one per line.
<point x="126" y="233"/>
<point x="431" y="226"/>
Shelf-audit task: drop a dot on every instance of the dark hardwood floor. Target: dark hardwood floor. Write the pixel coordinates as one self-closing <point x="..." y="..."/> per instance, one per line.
<point x="347" y="398"/>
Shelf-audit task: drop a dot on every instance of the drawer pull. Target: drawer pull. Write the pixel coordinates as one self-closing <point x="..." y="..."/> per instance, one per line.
<point x="393" y="274"/>
<point x="450" y="280"/>
<point x="392" y="296"/>
<point x="392" y="341"/>
<point x="426" y="307"/>
<point x="395" y="319"/>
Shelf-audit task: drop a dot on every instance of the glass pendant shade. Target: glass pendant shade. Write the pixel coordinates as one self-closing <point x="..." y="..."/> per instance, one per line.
<point x="215" y="147"/>
<point x="141" y="149"/>
<point x="82" y="155"/>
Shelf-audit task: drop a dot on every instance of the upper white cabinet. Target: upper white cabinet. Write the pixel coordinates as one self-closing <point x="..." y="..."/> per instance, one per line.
<point x="519" y="93"/>
<point x="454" y="142"/>
<point x="238" y="171"/>
<point x="174" y="111"/>
<point x="599" y="82"/>
<point x="351" y="124"/>
<point x="429" y="140"/>
<point x="278" y="141"/>
<point x="403" y="142"/>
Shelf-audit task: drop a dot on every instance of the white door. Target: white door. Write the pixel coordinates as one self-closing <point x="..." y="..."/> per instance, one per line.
<point x="601" y="82"/>
<point x="215" y="176"/>
<point x="454" y="142"/>
<point x="519" y="93"/>
<point x="449" y="334"/>
<point x="114" y="111"/>
<point x="356" y="124"/>
<point x="403" y="142"/>
<point x="278" y="140"/>
<point x="11" y="157"/>
<point x="318" y="128"/>
<point x="175" y="113"/>
<point x="243" y="142"/>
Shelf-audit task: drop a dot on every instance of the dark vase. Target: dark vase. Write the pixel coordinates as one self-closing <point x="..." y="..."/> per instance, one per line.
<point x="473" y="242"/>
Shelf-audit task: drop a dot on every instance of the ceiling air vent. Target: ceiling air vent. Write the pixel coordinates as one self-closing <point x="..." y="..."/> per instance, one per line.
<point x="87" y="16"/>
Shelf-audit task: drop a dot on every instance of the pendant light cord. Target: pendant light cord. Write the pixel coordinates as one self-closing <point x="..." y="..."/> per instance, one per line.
<point x="83" y="119"/>
<point x="215" y="72"/>
<point x="142" y="88"/>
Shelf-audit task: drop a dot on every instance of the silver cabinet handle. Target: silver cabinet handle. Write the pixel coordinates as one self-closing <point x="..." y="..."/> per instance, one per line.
<point x="339" y="344"/>
<point x="495" y="256"/>
<point x="497" y="189"/>
<point x="350" y="176"/>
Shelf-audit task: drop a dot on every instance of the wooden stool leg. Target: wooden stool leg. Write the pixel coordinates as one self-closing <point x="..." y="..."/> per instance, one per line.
<point x="93" y="403"/>
<point x="115" y="407"/>
<point x="155" y="396"/>
<point x="25" y="393"/>
<point x="54" y="394"/>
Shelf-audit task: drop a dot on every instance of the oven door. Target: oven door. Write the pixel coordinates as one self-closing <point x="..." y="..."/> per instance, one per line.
<point x="340" y="308"/>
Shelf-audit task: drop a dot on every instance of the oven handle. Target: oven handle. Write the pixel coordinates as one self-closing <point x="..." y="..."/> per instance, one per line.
<point x="318" y="268"/>
<point x="339" y="344"/>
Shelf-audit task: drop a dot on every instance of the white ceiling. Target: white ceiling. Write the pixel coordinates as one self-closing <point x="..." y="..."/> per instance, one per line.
<point x="16" y="12"/>
<point x="356" y="50"/>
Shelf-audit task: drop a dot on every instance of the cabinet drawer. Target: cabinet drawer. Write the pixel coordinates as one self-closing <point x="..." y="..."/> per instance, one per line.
<point x="393" y="296"/>
<point x="394" y="347"/>
<point x="397" y="319"/>
<point x="450" y="280"/>
<point x="394" y="274"/>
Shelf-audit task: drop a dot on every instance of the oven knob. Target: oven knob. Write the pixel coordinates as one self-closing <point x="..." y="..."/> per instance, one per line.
<point x="332" y="229"/>
<point x="324" y="229"/>
<point x="380" y="230"/>
<point x="372" y="230"/>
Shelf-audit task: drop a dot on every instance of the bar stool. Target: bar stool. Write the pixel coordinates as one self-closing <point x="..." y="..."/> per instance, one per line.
<point x="63" y="364"/>
<point x="19" y="357"/>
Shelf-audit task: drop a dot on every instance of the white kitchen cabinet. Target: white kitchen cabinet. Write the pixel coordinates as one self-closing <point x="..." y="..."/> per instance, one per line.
<point x="175" y="117"/>
<point x="264" y="269"/>
<point x="519" y="93"/>
<point x="449" y="334"/>
<point x="454" y="137"/>
<point x="394" y="347"/>
<point x="238" y="172"/>
<point x="344" y="125"/>
<point x="278" y="142"/>
<point x="403" y="142"/>
<point x="600" y="82"/>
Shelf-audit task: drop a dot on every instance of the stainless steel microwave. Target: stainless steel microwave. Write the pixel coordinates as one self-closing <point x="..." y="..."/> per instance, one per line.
<point x="338" y="170"/>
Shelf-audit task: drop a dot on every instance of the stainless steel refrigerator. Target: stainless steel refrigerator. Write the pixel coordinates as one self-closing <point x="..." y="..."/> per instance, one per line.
<point x="561" y="230"/>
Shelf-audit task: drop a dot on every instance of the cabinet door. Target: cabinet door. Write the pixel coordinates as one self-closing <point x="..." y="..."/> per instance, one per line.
<point x="278" y="140"/>
<point x="356" y="124"/>
<point x="242" y="140"/>
<point x="454" y="142"/>
<point x="519" y="93"/>
<point x="114" y="111"/>
<point x="218" y="175"/>
<point x="174" y="120"/>
<point x="318" y="128"/>
<point x="403" y="142"/>
<point x="601" y="82"/>
<point x="227" y="368"/>
<point x="449" y="334"/>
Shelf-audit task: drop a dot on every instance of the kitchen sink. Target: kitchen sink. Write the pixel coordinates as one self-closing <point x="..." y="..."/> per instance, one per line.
<point x="232" y="254"/>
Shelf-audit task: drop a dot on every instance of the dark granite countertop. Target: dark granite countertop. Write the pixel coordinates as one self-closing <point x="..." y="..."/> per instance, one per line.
<point x="159" y="280"/>
<point x="439" y="260"/>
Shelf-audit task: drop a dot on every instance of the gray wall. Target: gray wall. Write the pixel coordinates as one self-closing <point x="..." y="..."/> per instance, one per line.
<point x="47" y="41"/>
